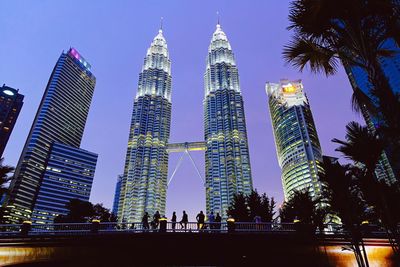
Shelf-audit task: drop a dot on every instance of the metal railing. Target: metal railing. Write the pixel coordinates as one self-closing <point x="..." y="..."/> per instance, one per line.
<point x="170" y="227"/>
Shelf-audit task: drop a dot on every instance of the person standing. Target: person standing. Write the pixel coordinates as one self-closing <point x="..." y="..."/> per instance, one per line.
<point x="200" y="220"/>
<point x="218" y="220"/>
<point x="184" y="220"/>
<point x="156" y="219"/>
<point x="173" y="220"/>
<point x="211" y="220"/>
<point x="145" y="221"/>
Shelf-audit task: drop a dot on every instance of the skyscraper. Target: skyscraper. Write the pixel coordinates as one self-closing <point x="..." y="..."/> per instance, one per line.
<point x="10" y="105"/>
<point x="358" y="77"/>
<point x="117" y="194"/>
<point x="144" y="182"/>
<point x="227" y="154"/>
<point x="296" y="139"/>
<point x="61" y="119"/>
<point x="69" y="175"/>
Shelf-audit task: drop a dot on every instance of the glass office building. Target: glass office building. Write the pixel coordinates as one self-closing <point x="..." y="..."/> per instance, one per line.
<point x="358" y="77"/>
<point x="144" y="181"/>
<point x="297" y="145"/>
<point x="10" y="105"/>
<point x="116" y="195"/>
<point x="69" y="175"/>
<point x="61" y="118"/>
<point x="227" y="159"/>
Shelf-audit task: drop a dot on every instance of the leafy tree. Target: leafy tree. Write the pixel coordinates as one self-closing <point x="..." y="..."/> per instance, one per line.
<point x="302" y="207"/>
<point x="238" y="209"/>
<point x="103" y="214"/>
<point x="5" y="178"/>
<point x="246" y="208"/>
<point x="84" y="211"/>
<point x="267" y="208"/>
<point x="254" y="204"/>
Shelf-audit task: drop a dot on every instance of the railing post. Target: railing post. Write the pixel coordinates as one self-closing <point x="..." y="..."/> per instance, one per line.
<point x="94" y="229"/>
<point x="26" y="227"/>
<point x="163" y="225"/>
<point x="231" y="225"/>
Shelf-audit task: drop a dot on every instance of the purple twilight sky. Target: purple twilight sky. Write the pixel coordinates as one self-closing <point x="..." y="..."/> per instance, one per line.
<point x="113" y="36"/>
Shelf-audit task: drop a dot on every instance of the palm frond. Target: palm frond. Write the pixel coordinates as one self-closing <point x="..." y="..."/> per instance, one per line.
<point x="301" y="52"/>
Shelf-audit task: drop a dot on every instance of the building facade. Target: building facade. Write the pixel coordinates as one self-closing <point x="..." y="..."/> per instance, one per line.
<point x="386" y="170"/>
<point x="227" y="159"/>
<point x="61" y="118"/>
<point x="117" y="194"/>
<point x="10" y="106"/>
<point x="296" y="139"/>
<point x="69" y="175"/>
<point x="144" y="182"/>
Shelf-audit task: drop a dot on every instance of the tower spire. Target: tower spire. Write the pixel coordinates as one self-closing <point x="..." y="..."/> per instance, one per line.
<point x="161" y="23"/>
<point x="217" y="17"/>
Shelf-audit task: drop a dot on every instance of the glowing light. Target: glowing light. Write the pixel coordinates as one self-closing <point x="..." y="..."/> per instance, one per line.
<point x="289" y="88"/>
<point x="8" y="92"/>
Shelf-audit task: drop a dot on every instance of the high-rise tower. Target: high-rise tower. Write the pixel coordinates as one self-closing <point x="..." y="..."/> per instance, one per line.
<point x="227" y="154"/>
<point x="297" y="144"/>
<point x="60" y="119"/>
<point x="144" y="182"/>
<point x="10" y="105"/>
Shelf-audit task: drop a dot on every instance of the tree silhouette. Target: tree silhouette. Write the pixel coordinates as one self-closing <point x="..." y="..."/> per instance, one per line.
<point x="346" y="202"/>
<point x="238" y="208"/>
<point x="84" y="211"/>
<point x="5" y="178"/>
<point x="246" y="208"/>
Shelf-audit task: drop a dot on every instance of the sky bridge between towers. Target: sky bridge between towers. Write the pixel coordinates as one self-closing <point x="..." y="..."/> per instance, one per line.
<point x="185" y="149"/>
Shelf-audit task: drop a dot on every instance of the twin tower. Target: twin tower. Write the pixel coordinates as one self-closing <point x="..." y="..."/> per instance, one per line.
<point x="227" y="161"/>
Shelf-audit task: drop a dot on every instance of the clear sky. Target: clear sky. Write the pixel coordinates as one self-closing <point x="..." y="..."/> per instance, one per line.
<point x="113" y="37"/>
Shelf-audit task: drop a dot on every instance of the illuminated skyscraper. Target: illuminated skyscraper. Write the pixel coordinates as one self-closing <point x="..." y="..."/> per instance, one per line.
<point x="227" y="154"/>
<point x="10" y="105"/>
<point x="117" y="194"/>
<point x="60" y="119"/>
<point x="297" y="145"/>
<point x="144" y="181"/>
<point x="358" y="77"/>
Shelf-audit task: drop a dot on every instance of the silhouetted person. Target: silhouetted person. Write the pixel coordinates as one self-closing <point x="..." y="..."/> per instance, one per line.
<point x="184" y="220"/>
<point x="173" y="220"/>
<point x="218" y="220"/>
<point x="257" y="220"/>
<point x="200" y="220"/>
<point x="156" y="219"/>
<point x="211" y="220"/>
<point x="145" y="221"/>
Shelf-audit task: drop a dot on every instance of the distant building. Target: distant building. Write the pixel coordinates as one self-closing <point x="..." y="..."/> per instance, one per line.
<point x="144" y="183"/>
<point x="296" y="139"/>
<point x="228" y="170"/>
<point x="358" y="77"/>
<point x="10" y="105"/>
<point x="116" y="195"/>
<point x="59" y="121"/>
<point x="69" y="175"/>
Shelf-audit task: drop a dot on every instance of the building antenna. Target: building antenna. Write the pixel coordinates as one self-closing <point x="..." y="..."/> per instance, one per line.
<point x="217" y="17"/>
<point x="161" y="23"/>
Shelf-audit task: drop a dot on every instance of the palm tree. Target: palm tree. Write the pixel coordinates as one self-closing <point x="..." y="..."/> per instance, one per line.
<point x="361" y="146"/>
<point x="364" y="148"/>
<point x="345" y="201"/>
<point x="355" y="33"/>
